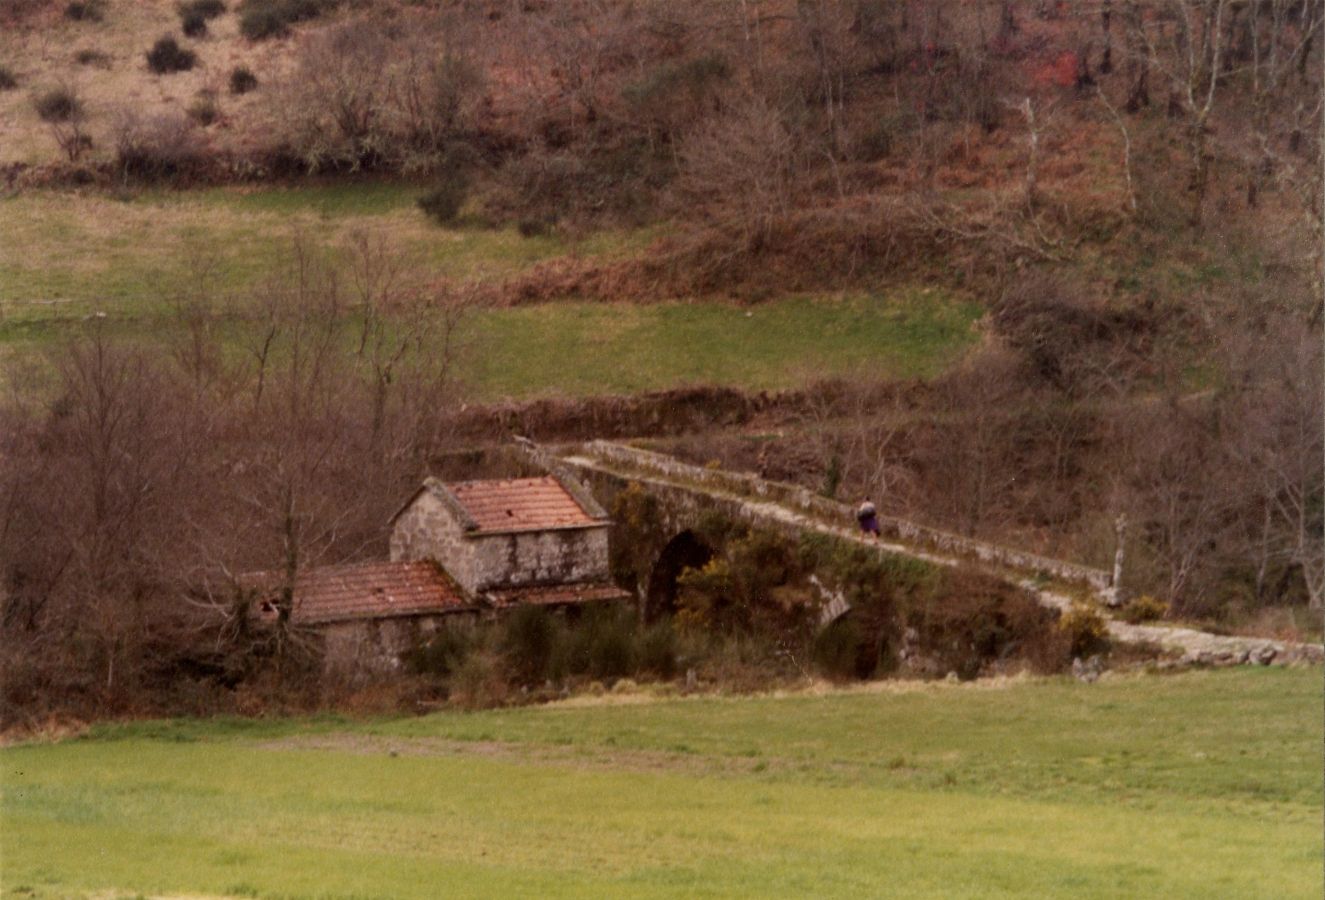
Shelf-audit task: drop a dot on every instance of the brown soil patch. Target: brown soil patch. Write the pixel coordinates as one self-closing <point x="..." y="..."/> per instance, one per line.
<point x="564" y="755"/>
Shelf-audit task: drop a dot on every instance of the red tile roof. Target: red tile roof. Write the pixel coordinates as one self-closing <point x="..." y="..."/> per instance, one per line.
<point x="555" y="595"/>
<point x="365" y="591"/>
<point x="521" y="504"/>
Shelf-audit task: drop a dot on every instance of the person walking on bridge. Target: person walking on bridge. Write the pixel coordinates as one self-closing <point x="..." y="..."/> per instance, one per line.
<point x="868" y="517"/>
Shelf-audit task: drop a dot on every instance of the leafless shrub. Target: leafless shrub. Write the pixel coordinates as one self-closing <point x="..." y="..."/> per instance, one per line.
<point x="1080" y="344"/>
<point x="434" y="94"/>
<point x="365" y="94"/>
<point x="332" y="100"/>
<point x="63" y="111"/>
<point x="158" y="146"/>
<point x="72" y="139"/>
<point x="741" y="169"/>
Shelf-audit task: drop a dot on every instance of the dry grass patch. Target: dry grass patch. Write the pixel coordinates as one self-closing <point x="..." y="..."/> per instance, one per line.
<point x="39" y="56"/>
<point x="91" y="251"/>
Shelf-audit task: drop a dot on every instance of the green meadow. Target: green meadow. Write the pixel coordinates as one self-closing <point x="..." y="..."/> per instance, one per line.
<point x="69" y="257"/>
<point x="71" y="252"/>
<point x="1206" y="784"/>
<point x="594" y="348"/>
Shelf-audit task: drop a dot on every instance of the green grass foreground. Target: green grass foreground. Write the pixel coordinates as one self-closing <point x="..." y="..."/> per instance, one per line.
<point x="1199" y="785"/>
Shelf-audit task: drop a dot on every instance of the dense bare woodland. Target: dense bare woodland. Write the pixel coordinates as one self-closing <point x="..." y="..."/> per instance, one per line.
<point x="1132" y="190"/>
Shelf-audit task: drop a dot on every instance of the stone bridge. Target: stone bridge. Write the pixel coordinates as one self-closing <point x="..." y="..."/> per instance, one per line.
<point x="684" y="494"/>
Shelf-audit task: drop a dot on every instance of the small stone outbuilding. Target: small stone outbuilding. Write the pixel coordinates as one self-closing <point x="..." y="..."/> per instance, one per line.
<point x="512" y="541"/>
<point x="463" y="548"/>
<point x="366" y="615"/>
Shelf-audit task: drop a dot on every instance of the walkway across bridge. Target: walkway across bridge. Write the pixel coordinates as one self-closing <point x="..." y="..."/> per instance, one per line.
<point x="685" y="489"/>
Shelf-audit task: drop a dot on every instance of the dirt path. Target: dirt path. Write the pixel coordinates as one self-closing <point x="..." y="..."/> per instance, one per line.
<point x="1201" y="647"/>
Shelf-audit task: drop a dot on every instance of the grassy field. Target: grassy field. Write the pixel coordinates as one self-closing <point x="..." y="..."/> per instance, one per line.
<point x="1199" y="785"/>
<point x="620" y="348"/>
<point x="71" y="255"/>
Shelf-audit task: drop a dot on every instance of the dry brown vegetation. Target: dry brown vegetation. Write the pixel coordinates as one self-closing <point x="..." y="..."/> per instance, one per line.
<point x="1217" y="492"/>
<point x="137" y="493"/>
<point x="1132" y="187"/>
<point x="802" y="145"/>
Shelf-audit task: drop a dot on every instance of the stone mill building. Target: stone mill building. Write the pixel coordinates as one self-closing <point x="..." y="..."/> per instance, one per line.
<point x="512" y="541"/>
<point x="470" y="548"/>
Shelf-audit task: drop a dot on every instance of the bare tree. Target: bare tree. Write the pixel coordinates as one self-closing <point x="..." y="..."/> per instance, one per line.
<point x="742" y="169"/>
<point x="1179" y="494"/>
<point x="65" y="114"/>
<point x="1036" y="122"/>
<point x="584" y="43"/>
<point x="1278" y="443"/>
<point x="824" y="26"/>
<point x="115" y="471"/>
<point x="407" y="344"/>
<point x="331" y="104"/>
<point x="71" y="136"/>
<point x="437" y="89"/>
<point x="1127" y="146"/>
<point x="970" y="452"/>
<point x="1186" y="42"/>
<point x="298" y="422"/>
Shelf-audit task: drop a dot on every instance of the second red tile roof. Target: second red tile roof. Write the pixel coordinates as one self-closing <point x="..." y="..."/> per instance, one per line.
<point x="365" y="591"/>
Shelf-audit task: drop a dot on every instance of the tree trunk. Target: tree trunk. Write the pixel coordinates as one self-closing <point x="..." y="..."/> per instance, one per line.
<point x="1106" y="19"/>
<point x="1116" y="580"/>
<point x="1200" y="170"/>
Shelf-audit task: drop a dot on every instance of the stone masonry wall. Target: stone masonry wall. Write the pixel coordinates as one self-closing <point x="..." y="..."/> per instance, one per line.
<point x="361" y="650"/>
<point x="540" y="557"/>
<point x="428" y="530"/>
<point x="812" y="504"/>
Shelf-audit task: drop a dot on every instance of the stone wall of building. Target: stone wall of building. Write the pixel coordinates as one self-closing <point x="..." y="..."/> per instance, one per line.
<point x="556" y="556"/>
<point x="428" y="530"/>
<point x="365" y="649"/>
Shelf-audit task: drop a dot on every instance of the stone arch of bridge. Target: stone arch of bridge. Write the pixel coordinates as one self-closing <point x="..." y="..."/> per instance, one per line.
<point x="685" y="550"/>
<point x="669" y="540"/>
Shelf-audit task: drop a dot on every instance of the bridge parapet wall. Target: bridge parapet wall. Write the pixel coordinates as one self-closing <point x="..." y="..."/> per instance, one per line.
<point x="681" y="506"/>
<point x="669" y="469"/>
